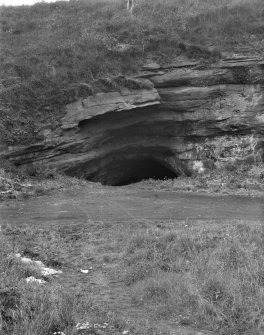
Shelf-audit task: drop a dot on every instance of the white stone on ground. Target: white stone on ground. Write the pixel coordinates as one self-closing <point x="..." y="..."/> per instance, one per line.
<point x="45" y="271"/>
<point x="35" y="280"/>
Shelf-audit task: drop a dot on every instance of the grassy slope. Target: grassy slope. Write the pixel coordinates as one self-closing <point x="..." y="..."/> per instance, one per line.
<point x="47" y="48"/>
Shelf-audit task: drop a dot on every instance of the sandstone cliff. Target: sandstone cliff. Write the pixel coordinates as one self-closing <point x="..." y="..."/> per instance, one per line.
<point x="188" y="116"/>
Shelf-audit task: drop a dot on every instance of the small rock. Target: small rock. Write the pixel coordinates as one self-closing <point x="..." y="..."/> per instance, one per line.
<point x="84" y="271"/>
<point x="35" y="280"/>
<point x="198" y="166"/>
<point x="26" y="260"/>
<point x="85" y="325"/>
<point x="151" y="66"/>
<point x="49" y="271"/>
<point x="39" y="263"/>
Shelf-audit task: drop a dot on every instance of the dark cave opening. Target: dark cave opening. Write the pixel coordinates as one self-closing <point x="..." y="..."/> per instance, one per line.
<point x="130" y="171"/>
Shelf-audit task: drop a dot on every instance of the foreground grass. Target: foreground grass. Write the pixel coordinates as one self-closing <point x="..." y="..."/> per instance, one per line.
<point x="206" y="279"/>
<point x="49" y="308"/>
<point x="30" y="308"/>
<point x="48" y="49"/>
<point x="202" y="274"/>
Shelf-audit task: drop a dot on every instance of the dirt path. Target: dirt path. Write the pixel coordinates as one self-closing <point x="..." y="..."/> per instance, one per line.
<point x="105" y="218"/>
<point x="109" y="204"/>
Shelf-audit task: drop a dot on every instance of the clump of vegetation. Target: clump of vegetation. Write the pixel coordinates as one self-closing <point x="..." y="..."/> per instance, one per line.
<point x="208" y="279"/>
<point x="49" y="48"/>
<point x="245" y="179"/>
<point x="17" y="183"/>
<point x="241" y="179"/>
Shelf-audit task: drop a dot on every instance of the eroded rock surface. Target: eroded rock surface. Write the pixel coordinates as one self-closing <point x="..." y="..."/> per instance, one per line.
<point x="187" y="114"/>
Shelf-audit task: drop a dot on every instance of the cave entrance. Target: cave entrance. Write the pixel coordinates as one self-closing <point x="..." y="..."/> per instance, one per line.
<point x="130" y="171"/>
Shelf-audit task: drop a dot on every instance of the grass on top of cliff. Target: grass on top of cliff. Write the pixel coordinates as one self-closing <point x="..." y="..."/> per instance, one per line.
<point x="48" y="48"/>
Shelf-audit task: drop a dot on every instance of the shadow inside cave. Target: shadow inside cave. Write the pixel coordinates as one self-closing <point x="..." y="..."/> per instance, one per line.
<point x="123" y="172"/>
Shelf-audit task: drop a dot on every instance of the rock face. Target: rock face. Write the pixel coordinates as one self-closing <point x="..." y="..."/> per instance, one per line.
<point x="188" y="115"/>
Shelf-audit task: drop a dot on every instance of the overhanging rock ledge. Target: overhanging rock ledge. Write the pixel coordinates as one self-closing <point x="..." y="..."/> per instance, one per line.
<point x="186" y="114"/>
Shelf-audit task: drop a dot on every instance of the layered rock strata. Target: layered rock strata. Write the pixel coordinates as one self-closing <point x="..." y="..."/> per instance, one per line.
<point x="188" y="114"/>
